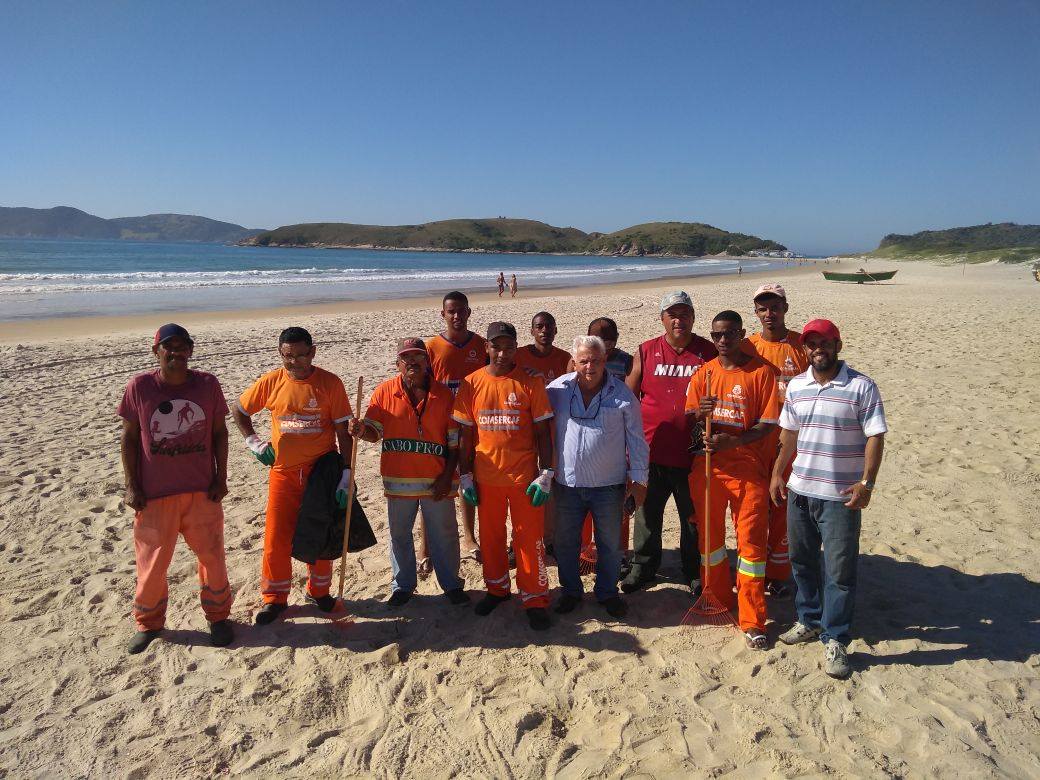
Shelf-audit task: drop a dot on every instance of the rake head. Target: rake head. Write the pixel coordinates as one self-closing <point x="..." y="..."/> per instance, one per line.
<point x="587" y="560"/>
<point x="708" y="611"/>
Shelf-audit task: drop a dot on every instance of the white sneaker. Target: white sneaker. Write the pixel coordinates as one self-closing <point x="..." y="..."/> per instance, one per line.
<point x="799" y="633"/>
<point x="837" y="664"/>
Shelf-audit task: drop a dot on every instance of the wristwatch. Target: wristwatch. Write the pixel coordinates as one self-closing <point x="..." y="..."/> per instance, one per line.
<point x="867" y="484"/>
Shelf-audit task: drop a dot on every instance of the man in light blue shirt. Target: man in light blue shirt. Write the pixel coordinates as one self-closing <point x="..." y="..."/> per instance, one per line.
<point x="602" y="459"/>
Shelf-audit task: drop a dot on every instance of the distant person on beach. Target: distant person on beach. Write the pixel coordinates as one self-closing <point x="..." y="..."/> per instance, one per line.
<point x="411" y="414"/>
<point x="834" y="419"/>
<point x="501" y="283"/>
<point x="455" y="354"/>
<point x="660" y="376"/>
<point x="175" y="481"/>
<point x="781" y="348"/>
<point x="742" y="402"/>
<point x="512" y="286"/>
<point x="541" y="358"/>
<point x="601" y="459"/>
<point x="505" y="460"/>
<point x="310" y="413"/>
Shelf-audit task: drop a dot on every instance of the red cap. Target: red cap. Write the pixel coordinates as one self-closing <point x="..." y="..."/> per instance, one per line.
<point x="824" y="328"/>
<point x="410" y="345"/>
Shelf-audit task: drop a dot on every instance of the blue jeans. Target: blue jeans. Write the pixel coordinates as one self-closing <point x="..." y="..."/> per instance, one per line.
<point x="826" y="581"/>
<point x="442" y="537"/>
<point x="572" y="504"/>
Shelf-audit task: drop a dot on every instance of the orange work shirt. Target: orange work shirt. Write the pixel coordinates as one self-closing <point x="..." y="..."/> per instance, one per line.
<point x="416" y="439"/>
<point x="787" y="357"/>
<point x="303" y="413"/>
<point x="555" y="364"/>
<point x="746" y="396"/>
<point x="503" y="411"/>
<point x="451" y="363"/>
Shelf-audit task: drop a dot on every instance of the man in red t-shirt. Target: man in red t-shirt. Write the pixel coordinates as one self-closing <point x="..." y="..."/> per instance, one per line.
<point x="174" y="449"/>
<point x="661" y="372"/>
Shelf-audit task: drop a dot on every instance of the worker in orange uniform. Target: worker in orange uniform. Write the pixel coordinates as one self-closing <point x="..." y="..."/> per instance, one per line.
<point x="505" y="460"/>
<point x="744" y="412"/>
<point x="781" y="348"/>
<point x="455" y="353"/>
<point x="310" y="411"/>
<point x="542" y="359"/>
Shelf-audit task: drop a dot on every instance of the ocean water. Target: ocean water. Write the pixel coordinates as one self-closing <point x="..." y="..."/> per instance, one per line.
<point x="53" y="278"/>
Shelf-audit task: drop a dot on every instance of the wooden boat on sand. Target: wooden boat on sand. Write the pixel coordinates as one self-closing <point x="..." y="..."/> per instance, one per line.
<point x="859" y="277"/>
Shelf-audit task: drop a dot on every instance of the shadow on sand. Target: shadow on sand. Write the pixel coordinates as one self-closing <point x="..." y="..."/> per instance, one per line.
<point x="971" y="616"/>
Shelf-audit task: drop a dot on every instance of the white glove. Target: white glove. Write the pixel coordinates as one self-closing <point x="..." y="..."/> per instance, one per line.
<point x="263" y="450"/>
<point x="540" y="489"/>
<point x="468" y="489"/>
<point x="342" y="489"/>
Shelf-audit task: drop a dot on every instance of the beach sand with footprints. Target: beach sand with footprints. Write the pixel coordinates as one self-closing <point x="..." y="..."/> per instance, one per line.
<point x="946" y="657"/>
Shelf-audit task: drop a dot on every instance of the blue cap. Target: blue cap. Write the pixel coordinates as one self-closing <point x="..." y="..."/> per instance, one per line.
<point x="169" y="331"/>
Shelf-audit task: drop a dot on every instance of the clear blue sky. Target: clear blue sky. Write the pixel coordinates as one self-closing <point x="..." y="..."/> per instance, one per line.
<point x="821" y="125"/>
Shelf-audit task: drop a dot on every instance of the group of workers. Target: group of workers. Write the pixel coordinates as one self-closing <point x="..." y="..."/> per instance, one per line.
<point x="561" y="444"/>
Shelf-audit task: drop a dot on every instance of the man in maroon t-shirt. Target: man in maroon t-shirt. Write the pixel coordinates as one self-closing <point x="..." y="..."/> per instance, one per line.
<point x="174" y="449"/>
<point x="660" y="375"/>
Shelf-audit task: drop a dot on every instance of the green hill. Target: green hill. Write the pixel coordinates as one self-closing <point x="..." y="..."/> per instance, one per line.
<point x="58" y="222"/>
<point x="517" y="235"/>
<point x="677" y="238"/>
<point x="491" y="235"/>
<point x="1006" y="242"/>
<point x="179" y="227"/>
<point x="67" y="222"/>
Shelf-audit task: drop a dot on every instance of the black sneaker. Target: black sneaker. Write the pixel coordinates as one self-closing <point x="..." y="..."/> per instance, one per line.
<point x="457" y="597"/>
<point x="633" y="582"/>
<point x="567" y="603"/>
<point x="538" y="617"/>
<point x="326" y="603"/>
<point x="615" y="607"/>
<point x="398" y="598"/>
<point x="777" y="589"/>
<point x="695" y="589"/>
<point x="141" y="640"/>
<point x="269" y="613"/>
<point x="487" y="604"/>
<point x="220" y="633"/>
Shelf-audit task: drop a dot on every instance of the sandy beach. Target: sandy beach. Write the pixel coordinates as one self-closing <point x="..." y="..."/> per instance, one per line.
<point x="946" y="658"/>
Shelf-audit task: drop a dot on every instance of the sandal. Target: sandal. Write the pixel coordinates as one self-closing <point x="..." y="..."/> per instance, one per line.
<point x="423" y="567"/>
<point x="756" y="640"/>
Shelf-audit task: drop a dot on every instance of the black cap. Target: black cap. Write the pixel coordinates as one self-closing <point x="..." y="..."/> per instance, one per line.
<point x="170" y="330"/>
<point x="497" y="329"/>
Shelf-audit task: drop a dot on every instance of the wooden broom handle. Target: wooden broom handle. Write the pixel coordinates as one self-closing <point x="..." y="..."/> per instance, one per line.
<point x="350" y="489"/>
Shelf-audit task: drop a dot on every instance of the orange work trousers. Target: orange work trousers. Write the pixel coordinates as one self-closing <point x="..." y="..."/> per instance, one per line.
<point x="747" y="497"/>
<point x="532" y="579"/>
<point x="778" y="562"/>
<point x="284" y="494"/>
<point x="586" y="532"/>
<point x="156" y="527"/>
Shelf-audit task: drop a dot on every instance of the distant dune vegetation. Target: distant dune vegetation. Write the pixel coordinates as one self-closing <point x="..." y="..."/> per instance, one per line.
<point x="501" y="234"/>
<point x="1006" y="242"/>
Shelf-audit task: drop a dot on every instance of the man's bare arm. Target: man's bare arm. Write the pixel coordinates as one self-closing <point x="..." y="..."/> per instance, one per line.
<point x="130" y="454"/>
<point x="543" y="440"/>
<point x="218" y="489"/>
<point x="634" y="380"/>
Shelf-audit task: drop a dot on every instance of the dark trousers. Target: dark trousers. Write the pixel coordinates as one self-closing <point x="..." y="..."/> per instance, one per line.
<point x="825" y="578"/>
<point x="664" y="482"/>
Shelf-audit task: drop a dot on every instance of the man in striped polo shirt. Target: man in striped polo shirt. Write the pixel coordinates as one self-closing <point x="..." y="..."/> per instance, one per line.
<point x="834" y="419"/>
<point x="411" y="413"/>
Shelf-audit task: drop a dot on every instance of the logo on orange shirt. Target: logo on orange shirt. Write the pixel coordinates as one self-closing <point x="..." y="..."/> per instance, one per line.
<point x="512" y="400"/>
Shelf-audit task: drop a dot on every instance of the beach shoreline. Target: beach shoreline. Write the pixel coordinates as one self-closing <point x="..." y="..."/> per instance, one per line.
<point x="45" y="329"/>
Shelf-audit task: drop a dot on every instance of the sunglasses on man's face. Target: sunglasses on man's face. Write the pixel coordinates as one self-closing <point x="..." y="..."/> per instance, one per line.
<point x="728" y="335"/>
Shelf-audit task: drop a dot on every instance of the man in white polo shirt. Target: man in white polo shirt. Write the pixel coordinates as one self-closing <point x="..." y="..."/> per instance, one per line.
<point x="834" y="418"/>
